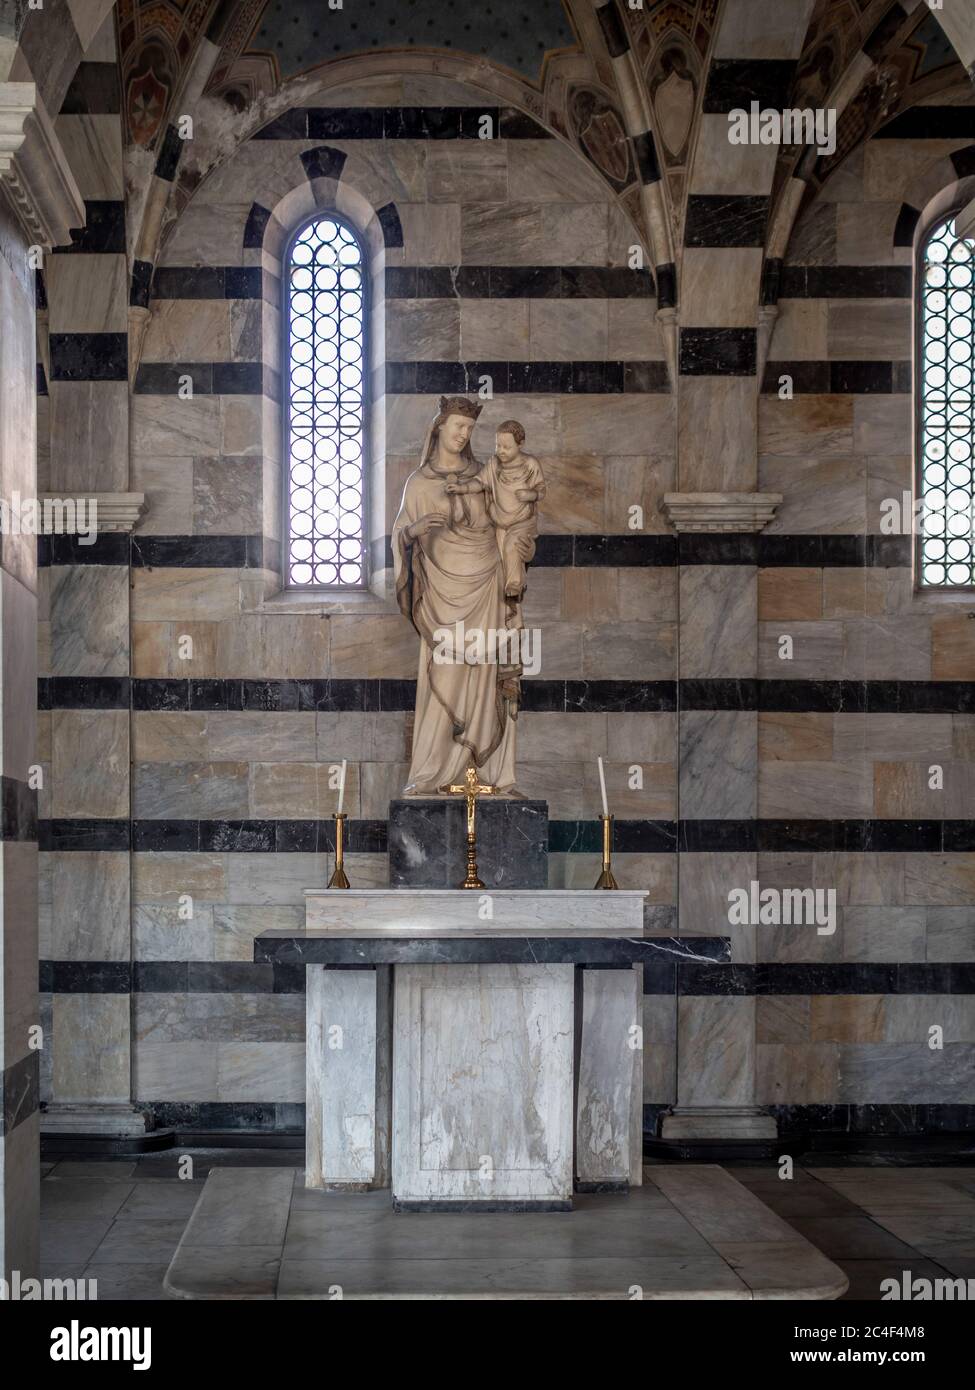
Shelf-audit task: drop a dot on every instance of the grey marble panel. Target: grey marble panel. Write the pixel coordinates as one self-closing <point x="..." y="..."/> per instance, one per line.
<point x="341" y="1077"/>
<point x="717" y="772"/>
<point x="718" y="605"/>
<point x="89" y="906"/>
<point x="716" y="1051"/>
<point x="190" y="791"/>
<point x="227" y="494"/>
<point x="89" y="620"/>
<point x="220" y="1017"/>
<point x="905" y="1073"/>
<point x="609" y="1110"/>
<point x="482" y="1084"/>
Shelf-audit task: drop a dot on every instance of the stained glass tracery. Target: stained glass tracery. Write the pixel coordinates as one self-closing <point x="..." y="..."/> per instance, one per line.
<point x="946" y="428"/>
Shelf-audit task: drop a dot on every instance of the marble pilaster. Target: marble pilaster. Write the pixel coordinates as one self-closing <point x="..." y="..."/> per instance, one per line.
<point x="347" y="1077"/>
<point x="609" y="1110"/>
<point x="718" y="781"/>
<point x="88" y="317"/>
<point x="38" y="204"/>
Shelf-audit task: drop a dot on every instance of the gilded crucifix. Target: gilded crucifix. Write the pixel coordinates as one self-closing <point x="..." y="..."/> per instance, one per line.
<point x="470" y="788"/>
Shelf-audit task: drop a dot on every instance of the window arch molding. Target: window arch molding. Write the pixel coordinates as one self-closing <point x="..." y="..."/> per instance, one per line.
<point x="326" y="306"/>
<point x="943" y="399"/>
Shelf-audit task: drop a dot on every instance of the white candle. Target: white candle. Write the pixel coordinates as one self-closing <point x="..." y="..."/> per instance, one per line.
<point x="602" y="787"/>
<point x="342" y="786"/>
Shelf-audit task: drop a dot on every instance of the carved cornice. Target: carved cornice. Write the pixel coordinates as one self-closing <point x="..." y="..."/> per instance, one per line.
<point x="114" y="511"/>
<point x="720" y="511"/>
<point x="34" y="169"/>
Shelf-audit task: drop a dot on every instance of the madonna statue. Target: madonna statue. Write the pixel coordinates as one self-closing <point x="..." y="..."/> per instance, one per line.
<point x="450" y="571"/>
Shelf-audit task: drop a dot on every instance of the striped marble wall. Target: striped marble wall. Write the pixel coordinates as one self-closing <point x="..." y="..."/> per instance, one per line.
<point x="509" y="258"/>
<point x="879" y="689"/>
<point x="503" y="257"/>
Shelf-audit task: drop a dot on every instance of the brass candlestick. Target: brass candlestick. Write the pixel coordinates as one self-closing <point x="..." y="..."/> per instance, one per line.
<point x="470" y="788"/>
<point x="339" y="878"/>
<point x="606" y="879"/>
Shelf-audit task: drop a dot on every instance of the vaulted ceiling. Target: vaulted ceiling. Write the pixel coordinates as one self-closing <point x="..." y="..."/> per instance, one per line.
<point x="255" y="47"/>
<point x="246" y="61"/>
<point x="517" y="36"/>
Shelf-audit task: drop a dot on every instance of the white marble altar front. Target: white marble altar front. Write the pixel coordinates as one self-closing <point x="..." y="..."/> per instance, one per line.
<point x="459" y="1049"/>
<point x="454" y="912"/>
<point x="482" y="1084"/>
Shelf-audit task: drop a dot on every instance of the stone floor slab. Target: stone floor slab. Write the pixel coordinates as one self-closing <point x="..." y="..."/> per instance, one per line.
<point x="659" y="1241"/>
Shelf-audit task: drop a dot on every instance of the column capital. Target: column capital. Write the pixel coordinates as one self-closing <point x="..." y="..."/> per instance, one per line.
<point x="34" y="169"/>
<point x="114" y="511"/>
<point x="720" y="511"/>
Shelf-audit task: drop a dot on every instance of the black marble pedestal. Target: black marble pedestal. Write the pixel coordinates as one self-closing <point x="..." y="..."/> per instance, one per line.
<point x="428" y="842"/>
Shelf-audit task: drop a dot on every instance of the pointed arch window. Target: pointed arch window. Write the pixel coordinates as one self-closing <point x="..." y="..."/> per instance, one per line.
<point x="325" y="447"/>
<point x="946" y="409"/>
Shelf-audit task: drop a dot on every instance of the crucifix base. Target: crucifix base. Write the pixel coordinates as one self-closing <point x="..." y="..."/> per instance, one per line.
<point x="471" y="879"/>
<point x="428" y="842"/>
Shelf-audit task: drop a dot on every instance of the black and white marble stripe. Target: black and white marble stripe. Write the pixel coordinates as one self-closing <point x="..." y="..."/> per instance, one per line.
<point x="401" y="123"/>
<point x="18" y="810"/>
<point x="771" y="836"/>
<point x="172" y="694"/>
<point x="686" y="966"/>
<point x="836" y="378"/>
<point x="569" y="551"/>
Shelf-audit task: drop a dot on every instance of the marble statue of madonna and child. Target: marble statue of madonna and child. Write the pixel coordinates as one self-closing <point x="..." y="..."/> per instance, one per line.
<point x="463" y="537"/>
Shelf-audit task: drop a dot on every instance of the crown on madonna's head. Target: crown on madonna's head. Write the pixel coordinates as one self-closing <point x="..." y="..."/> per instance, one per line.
<point x="458" y="405"/>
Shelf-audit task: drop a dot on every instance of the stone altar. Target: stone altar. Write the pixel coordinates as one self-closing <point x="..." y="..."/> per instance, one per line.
<point x="471" y="1048"/>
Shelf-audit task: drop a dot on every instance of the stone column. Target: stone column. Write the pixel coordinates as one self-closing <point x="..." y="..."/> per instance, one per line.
<point x="718" y="804"/>
<point x="723" y="336"/>
<point x="38" y="204"/>
<point x="88" y="864"/>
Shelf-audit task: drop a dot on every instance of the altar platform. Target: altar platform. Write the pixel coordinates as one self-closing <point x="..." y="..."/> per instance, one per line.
<point x="691" y="1232"/>
<point x="474" y="1048"/>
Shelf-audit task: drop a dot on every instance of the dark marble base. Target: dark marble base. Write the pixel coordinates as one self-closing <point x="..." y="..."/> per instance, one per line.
<point x="710" y="1150"/>
<point x="107" y="1146"/>
<point x="338" y="952"/>
<point x="428" y="843"/>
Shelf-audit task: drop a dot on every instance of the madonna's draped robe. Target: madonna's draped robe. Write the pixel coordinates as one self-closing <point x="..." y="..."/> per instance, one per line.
<point x="452" y="575"/>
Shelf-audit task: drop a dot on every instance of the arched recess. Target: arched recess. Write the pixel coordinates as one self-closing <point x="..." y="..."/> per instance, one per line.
<point x="278" y="188"/>
<point x="246" y="207"/>
<point x="225" y="121"/>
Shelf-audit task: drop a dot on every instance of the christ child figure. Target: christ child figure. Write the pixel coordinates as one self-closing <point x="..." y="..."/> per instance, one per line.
<point x="513" y="484"/>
